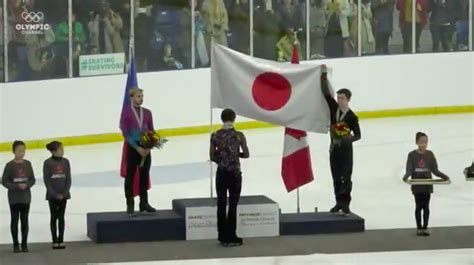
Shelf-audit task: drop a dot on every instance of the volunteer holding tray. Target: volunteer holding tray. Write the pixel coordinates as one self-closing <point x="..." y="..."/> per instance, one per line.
<point x="421" y="164"/>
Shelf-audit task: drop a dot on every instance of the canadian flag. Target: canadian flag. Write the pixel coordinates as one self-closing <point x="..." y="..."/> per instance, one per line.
<point x="284" y="94"/>
<point x="296" y="168"/>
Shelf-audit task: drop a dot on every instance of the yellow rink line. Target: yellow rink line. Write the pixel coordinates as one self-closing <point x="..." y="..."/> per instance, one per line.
<point x="117" y="137"/>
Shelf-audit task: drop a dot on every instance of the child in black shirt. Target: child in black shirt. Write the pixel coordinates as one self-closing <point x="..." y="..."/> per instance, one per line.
<point x="57" y="179"/>
<point x="18" y="178"/>
<point x="420" y="164"/>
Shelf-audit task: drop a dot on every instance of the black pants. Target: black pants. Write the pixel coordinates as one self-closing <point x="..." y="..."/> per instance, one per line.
<point x="422" y="201"/>
<point x="133" y="161"/>
<point x="19" y="211"/>
<point x="230" y="181"/>
<point x="341" y="170"/>
<point x="57" y="209"/>
<point x="381" y="42"/>
<point x="442" y="35"/>
<point x="407" y="37"/>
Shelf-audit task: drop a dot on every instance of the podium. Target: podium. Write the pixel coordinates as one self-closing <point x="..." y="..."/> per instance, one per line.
<point x="115" y="227"/>
<point x="257" y="216"/>
<point x="196" y="218"/>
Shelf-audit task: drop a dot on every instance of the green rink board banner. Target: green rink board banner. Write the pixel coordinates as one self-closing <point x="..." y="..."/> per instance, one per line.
<point x="101" y="64"/>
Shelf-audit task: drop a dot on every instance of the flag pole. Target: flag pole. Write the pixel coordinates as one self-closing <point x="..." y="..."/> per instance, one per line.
<point x="298" y="200"/>
<point x="210" y="134"/>
<point x="295" y="34"/>
<point x="210" y="162"/>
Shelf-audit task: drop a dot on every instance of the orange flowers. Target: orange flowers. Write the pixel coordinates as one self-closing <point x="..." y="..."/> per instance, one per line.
<point x="341" y="130"/>
<point x="150" y="140"/>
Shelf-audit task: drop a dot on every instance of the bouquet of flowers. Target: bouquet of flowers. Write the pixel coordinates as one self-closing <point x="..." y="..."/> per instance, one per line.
<point x="340" y="131"/>
<point x="150" y="140"/>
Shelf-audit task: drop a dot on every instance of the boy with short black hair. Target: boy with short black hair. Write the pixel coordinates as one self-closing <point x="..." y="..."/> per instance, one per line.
<point x="18" y="178"/>
<point x="341" y="154"/>
<point x="227" y="147"/>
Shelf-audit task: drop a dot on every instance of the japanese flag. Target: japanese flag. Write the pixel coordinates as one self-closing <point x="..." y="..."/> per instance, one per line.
<point x="285" y="94"/>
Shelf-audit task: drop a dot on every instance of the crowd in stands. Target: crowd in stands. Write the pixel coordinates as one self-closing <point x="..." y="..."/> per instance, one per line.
<point x="163" y="30"/>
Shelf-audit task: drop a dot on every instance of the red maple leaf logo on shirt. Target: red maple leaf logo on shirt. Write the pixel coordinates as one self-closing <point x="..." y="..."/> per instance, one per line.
<point x="59" y="169"/>
<point x="21" y="173"/>
<point x="421" y="163"/>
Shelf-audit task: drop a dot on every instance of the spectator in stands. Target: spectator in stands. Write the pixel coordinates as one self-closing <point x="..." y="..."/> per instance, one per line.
<point x="293" y="14"/>
<point x="337" y="32"/>
<point x="18" y="55"/>
<point x="61" y="32"/>
<point x="350" y="44"/>
<point x="239" y="20"/>
<point x="104" y="29"/>
<point x="366" y="33"/>
<point x="266" y="30"/>
<point x="289" y="15"/>
<point x="200" y="49"/>
<point x="124" y="11"/>
<point x="143" y="25"/>
<point x="462" y="24"/>
<point x="285" y="46"/>
<point x="185" y="22"/>
<point x="200" y="55"/>
<point x="165" y="28"/>
<point x="383" y="23"/>
<point x="406" y="14"/>
<point x="215" y="17"/>
<point x="317" y="22"/>
<point x="40" y="55"/>
<point x="442" y="23"/>
<point x="168" y="60"/>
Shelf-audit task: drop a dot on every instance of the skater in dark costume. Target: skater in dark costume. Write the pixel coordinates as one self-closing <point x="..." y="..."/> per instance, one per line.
<point x="341" y="154"/>
<point x="227" y="147"/>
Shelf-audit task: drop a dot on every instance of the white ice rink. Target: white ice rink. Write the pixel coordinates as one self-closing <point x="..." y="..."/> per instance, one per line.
<point x="428" y="257"/>
<point x="181" y="171"/>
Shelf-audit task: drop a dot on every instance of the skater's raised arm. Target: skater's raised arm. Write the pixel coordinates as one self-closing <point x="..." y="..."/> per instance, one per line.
<point x="325" y="89"/>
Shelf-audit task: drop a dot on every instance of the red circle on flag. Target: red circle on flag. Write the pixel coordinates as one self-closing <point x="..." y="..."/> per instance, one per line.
<point x="271" y="91"/>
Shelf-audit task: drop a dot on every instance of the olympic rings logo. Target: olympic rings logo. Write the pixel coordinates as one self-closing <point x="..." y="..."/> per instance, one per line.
<point x="32" y="16"/>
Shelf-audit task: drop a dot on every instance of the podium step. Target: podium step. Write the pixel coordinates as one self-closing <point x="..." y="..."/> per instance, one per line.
<point x="115" y="227"/>
<point x="320" y="223"/>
